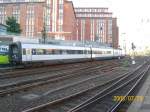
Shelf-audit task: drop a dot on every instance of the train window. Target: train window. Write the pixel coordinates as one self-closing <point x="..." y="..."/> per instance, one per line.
<point x="108" y="52"/>
<point x="89" y="52"/>
<point x="44" y="51"/>
<point x="56" y="51"/>
<point x="53" y="51"/>
<point x="79" y="52"/>
<point x="15" y="50"/>
<point x="39" y="51"/>
<point x="64" y="51"/>
<point x="24" y="51"/>
<point x="60" y="51"/>
<point x="33" y="51"/>
<point x="94" y="52"/>
<point x="85" y="51"/>
<point x="28" y="51"/>
<point x="100" y="52"/>
<point x="3" y="49"/>
<point x="103" y="52"/>
<point x="49" y="51"/>
<point x="75" y="52"/>
<point x="70" y="51"/>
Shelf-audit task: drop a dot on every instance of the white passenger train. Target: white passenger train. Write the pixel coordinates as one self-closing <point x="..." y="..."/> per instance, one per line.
<point x="21" y="53"/>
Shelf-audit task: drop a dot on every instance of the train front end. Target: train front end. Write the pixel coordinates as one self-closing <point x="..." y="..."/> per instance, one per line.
<point x="15" y="53"/>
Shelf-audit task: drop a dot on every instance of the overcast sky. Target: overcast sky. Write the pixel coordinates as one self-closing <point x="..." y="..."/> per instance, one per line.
<point x="133" y="18"/>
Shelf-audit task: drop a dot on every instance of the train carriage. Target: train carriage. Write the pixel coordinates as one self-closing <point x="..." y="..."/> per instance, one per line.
<point x="24" y="53"/>
<point x="31" y="53"/>
<point x="102" y="53"/>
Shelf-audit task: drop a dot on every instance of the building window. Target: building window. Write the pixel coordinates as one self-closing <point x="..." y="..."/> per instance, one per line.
<point x="48" y="16"/>
<point x="30" y="21"/>
<point x="60" y="21"/>
<point x="110" y="28"/>
<point x="2" y="15"/>
<point x="54" y="15"/>
<point x="16" y="13"/>
<point x="48" y="2"/>
<point x="82" y="30"/>
<point x="92" y="30"/>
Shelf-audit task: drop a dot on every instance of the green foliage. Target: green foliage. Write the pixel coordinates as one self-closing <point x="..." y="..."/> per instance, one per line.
<point x="12" y="25"/>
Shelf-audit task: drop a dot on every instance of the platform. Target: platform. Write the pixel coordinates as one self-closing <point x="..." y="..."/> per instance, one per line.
<point x="143" y="106"/>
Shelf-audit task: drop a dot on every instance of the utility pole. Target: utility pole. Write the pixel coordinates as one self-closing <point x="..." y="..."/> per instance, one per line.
<point x="124" y="42"/>
<point x="125" y="47"/>
<point x="44" y="36"/>
<point x="133" y="57"/>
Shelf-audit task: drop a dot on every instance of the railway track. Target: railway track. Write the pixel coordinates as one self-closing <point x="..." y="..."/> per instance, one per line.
<point x="32" y="71"/>
<point x="21" y="85"/>
<point x="43" y="74"/>
<point x="86" y="99"/>
<point x="60" y="92"/>
<point x="105" y="101"/>
<point x="47" y="69"/>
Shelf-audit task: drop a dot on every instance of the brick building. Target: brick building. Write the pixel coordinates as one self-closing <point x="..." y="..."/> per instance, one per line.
<point x="33" y="15"/>
<point x="70" y="24"/>
<point x="96" y="24"/>
<point x="61" y="20"/>
<point x="25" y="14"/>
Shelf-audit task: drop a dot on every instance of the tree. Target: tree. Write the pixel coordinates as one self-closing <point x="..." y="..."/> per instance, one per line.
<point x="12" y="25"/>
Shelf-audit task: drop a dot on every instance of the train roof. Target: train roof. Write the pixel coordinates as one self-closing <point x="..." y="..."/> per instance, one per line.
<point x="78" y="43"/>
<point x="69" y="46"/>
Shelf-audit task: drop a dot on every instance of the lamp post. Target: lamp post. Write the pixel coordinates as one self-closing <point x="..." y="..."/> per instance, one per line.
<point x="133" y="57"/>
<point x="44" y="34"/>
<point x="125" y="48"/>
<point x="124" y="43"/>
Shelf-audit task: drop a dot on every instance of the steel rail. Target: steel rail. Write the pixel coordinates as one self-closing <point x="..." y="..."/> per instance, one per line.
<point x="74" y="95"/>
<point x="116" y="106"/>
<point x="60" y="100"/>
<point x="34" y="71"/>
<point x="105" y="92"/>
<point x="41" y="81"/>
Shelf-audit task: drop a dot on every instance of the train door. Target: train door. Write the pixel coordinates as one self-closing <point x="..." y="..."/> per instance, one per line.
<point x="28" y="55"/>
<point x="86" y="53"/>
<point x="15" y="53"/>
<point x="91" y="53"/>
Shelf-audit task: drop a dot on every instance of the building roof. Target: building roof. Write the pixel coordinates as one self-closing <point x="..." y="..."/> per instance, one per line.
<point x="72" y="6"/>
<point x="91" y="8"/>
<point x="21" y="1"/>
